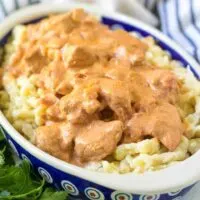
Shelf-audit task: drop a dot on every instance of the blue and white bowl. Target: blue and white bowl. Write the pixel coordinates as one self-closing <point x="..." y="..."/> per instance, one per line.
<point x="168" y="184"/>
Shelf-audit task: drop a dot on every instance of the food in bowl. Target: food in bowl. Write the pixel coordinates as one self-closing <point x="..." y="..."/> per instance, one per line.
<point x="98" y="98"/>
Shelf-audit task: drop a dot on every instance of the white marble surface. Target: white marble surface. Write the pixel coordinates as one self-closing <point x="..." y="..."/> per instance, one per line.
<point x="194" y="194"/>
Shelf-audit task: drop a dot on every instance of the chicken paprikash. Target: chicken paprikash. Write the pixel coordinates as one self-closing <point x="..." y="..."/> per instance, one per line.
<point x="80" y="91"/>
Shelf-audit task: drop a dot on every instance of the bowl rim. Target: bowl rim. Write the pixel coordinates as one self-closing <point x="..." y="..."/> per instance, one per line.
<point x="172" y="178"/>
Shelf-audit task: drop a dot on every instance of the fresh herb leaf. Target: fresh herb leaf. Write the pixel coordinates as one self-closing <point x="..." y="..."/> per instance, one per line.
<point x="18" y="182"/>
<point x="2" y="157"/>
<point x="1" y="137"/>
<point x="50" y="194"/>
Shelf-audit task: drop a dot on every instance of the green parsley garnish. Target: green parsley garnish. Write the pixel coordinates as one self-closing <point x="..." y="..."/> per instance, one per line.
<point x="18" y="181"/>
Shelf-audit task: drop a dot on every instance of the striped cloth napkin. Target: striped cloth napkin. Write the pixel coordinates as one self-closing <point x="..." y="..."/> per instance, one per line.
<point x="179" y="19"/>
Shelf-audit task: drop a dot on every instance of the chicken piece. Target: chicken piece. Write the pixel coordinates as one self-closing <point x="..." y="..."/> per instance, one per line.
<point x="57" y="73"/>
<point x="85" y="101"/>
<point x="142" y="95"/>
<point x="163" y="83"/>
<point x="56" y="139"/>
<point x="163" y="122"/>
<point x="98" y="140"/>
<point x="60" y="23"/>
<point x="54" y="43"/>
<point x="55" y="113"/>
<point x="81" y="104"/>
<point x="53" y="77"/>
<point x="129" y="47"/>
<point x="64" y="88"/>
<point x="79" y="15"/>
<point x="48" y="99"/>
<point x="77" y="56"/>
<point x="117" y="96"/>
<point x="35" y="61"/>
<point x="123" y="37"/>
<point x="75" y="17"/>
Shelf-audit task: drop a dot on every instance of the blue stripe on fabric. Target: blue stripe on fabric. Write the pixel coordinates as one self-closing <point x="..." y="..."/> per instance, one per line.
<point x="164" y="7"/>
<point x="3" y="8"/>
<point x="182" y="29"/>
<point x="193" y="16"/>
<point x="174" y="28"/>
<point x="193" y="20"/>
<point x="191" y="28"/>
<point x="162" y="18"/>
<point x="163" y="11"/>
<point x="164" y="23"/>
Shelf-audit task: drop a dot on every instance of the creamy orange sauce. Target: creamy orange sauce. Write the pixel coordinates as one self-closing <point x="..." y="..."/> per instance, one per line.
<point x="100" y="90"/>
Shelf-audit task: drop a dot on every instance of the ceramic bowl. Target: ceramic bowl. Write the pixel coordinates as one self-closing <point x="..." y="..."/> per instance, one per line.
<point x="168" y="184"/>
